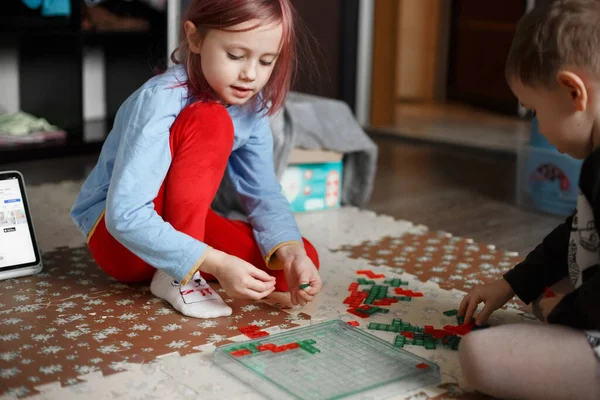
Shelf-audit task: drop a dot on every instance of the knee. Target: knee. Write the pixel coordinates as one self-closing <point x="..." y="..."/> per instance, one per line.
<point x="311" y="252"/>
<point x="473" y="356"/>
<point x="208" y="124"/>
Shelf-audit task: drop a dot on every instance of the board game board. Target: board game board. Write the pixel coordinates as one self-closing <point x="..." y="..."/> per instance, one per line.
<point x="330" y="360"/>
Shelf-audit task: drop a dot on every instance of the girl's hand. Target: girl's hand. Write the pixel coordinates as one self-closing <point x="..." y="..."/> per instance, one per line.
<point x="240" y="279"/>
<point x="299" y="269"/>
<point x="494" y="295"/>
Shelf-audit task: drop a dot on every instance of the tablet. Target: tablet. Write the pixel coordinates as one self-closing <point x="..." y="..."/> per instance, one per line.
<point x="19" y="251"/>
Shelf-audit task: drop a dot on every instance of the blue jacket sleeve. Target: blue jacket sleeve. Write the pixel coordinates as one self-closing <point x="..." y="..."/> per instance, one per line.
<point x="252" y="173"/>
<point x="141" y="165"/>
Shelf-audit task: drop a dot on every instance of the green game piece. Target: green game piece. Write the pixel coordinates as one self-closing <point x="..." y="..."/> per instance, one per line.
<point x="430" y="346"/>
<point x="395" y="282"/>
<point x="404" y="298"/>
<point x="369" y="311"/>
<point x="418" y="336"/>
<point x="397" y="321"/>
<point x="450" y="313"/>
<point x="419" y="342"/>
<point x="363" y="281"/>
<point x="373" y="325"/>
<point x="399" y="341"/>
<point x="304" y="286"/>
<point x="381" y="310"/>
<point x="253" y="349"/>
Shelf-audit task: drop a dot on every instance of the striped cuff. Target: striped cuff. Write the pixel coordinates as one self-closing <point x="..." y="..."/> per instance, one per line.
<point x="196" y="267"/>
<point x="274" y="263"/>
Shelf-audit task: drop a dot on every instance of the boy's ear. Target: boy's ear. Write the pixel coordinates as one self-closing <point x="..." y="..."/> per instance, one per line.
<point x="193" y="37"/>
<point x="576" y="88"/>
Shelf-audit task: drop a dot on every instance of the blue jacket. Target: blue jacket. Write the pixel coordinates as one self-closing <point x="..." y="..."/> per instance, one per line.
<point x="134" y="162"/>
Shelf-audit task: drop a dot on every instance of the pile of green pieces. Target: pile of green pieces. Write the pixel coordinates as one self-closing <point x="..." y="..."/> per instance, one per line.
<point x="379" y="292"/>
<point x="420" y="338"/>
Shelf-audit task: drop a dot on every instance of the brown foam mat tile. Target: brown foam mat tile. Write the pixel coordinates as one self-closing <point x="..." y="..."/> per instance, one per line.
<point x="450" y="261"/>
<point x="72" y="319"/>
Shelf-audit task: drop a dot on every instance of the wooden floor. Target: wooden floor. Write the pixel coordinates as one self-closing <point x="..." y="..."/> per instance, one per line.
<point x="459" y="124"/>
<point x="460" y="190"/>
<point x="464" y="191"/>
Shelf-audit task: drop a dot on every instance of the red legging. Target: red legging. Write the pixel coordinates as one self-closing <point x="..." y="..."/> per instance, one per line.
<point x="201" y="142"/>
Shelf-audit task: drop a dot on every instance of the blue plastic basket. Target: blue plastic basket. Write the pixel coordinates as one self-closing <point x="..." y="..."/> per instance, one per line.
<point x="546" y="179"/>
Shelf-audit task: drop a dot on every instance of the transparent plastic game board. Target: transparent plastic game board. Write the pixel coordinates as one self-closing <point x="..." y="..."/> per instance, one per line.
<point x="341" y="361"/>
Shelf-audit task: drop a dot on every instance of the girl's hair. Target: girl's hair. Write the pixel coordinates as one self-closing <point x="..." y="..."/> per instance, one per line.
<point x="222" y="15"/>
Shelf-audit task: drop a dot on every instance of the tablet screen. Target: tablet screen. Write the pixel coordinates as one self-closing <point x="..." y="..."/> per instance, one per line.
<point x="17" y="247"/>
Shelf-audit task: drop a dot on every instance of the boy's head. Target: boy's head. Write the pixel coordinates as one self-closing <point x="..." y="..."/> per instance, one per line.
<point x="553" y="67"/>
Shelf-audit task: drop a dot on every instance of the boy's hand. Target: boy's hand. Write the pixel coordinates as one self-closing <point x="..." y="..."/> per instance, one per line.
<point x="240" y="279"/>
<point x="299" y="269"/>
<point x="494" y="295"/>
<point x="547" y="305"/>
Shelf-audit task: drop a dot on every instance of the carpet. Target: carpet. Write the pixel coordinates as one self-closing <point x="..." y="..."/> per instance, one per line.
<point x="71" y="332"/>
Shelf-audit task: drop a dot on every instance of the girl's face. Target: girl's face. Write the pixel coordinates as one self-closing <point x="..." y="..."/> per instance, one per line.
<point x="236" y="65"/>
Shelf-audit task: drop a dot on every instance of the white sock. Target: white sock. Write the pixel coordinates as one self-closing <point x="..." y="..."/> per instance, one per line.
<point x="196" y="299"/>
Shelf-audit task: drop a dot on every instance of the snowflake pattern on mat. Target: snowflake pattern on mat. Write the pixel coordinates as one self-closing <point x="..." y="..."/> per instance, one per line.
<point x="62" y="324"/>
<point x="450" y="261"/>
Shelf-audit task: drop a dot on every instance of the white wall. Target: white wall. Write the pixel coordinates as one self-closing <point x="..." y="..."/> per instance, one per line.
<point x="9" y="80"/>
<point x="94" y="84"/>
<point x="94" y="78"/>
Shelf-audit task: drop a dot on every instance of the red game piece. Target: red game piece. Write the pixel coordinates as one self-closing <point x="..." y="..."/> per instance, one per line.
<point x="241" y="353"/>
<point x="256" y="335"/>
<point x="440" y="333"/>
<point x="248" y="328"/>
<point x="354" y="311"/>
<point x="370" y="274"/>
<point x="422" y="366"/>
<point x="549" y="293"/>
<point x="428" y="329"/>
<point x="265" y="347"/>
<point x="353" y="323"/>
<point x="464" y="328"/>
<point x="409" y="335"/>
<point x="450" y="328"/>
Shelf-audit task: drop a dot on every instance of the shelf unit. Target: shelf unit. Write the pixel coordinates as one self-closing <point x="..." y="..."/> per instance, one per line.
<point x="50" y="63"/>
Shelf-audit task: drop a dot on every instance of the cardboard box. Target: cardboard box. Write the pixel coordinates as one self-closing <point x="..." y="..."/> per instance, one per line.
<point x="313" y="180"/>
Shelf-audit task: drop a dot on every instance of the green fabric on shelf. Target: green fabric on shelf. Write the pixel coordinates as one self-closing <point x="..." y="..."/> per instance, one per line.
<point x="22" y="124"/>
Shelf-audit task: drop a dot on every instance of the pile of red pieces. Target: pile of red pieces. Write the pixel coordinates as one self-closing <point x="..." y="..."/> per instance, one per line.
<point x="253" y="331"/>
<point x="448" y="330"/>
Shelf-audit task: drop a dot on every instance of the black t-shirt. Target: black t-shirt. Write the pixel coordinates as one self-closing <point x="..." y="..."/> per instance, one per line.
<point x="572" y="249"/>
